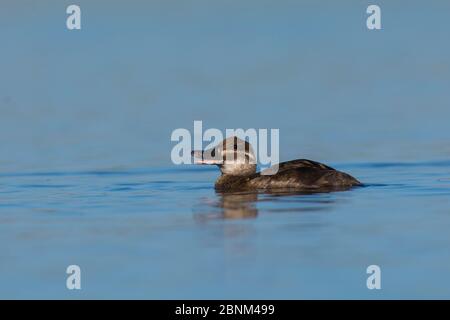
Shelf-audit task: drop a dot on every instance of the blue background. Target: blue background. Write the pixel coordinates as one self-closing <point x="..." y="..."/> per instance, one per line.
<point x="85" y="124"/>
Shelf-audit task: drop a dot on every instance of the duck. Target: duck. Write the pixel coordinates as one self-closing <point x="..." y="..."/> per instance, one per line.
<point x="237" y="162"/>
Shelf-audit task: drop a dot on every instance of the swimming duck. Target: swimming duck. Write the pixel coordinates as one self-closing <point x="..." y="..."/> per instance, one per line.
<point x="237" y="162"/>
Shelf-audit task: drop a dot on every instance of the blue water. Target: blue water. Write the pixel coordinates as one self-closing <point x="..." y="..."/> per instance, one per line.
<point x="85" y="171"/>
<point x="164" y="233"/>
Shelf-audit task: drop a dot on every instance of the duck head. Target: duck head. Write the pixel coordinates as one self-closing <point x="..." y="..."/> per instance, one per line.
<point x="234" y="157"/>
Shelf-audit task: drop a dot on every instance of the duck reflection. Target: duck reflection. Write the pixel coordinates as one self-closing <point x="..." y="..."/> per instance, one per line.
<point x="243" y="205"/>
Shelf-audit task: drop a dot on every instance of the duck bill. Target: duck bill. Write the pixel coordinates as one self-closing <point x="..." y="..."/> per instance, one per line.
<point x="199" y="158"/>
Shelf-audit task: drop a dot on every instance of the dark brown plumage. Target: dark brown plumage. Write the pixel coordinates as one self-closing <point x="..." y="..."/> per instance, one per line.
<point x="239" y="171"/>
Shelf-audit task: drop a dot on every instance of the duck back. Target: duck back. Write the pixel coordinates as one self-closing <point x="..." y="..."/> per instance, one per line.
<point x="301" y="174"/>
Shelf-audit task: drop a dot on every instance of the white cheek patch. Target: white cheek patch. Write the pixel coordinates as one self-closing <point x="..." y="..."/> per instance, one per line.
<point x="229" y="168"/>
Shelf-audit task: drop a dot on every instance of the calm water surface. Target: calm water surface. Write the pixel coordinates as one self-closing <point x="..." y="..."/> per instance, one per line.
<point x="85" y="170"/>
